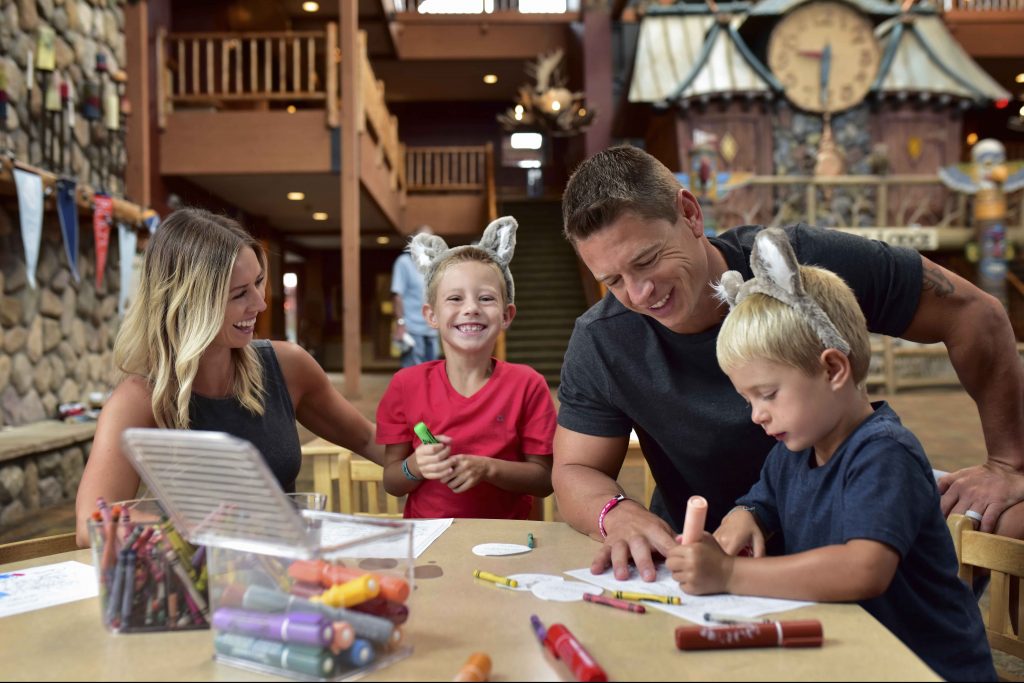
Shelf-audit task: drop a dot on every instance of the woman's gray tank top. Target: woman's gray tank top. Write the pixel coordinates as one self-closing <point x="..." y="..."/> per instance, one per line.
<point x="273" y="433"/>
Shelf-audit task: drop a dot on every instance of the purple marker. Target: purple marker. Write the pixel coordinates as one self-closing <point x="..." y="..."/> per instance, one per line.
<point x="300" y="628"/>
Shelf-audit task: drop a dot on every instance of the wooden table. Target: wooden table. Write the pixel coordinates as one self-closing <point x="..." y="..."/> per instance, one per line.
<point x="453" y="615"/>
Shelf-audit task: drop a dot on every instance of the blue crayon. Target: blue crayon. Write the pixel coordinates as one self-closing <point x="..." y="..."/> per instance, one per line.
<point x="114" y="597"/>
<point x="128" y="590"/>
<point x="360" y="654"/>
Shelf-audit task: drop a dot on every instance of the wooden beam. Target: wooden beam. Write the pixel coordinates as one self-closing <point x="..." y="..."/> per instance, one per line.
<point x="990" y="33"/>
<point x="136" y="23"/>
<point x="351" y="131"/>
<point x="597" y="79"/>
<point x="434" y="40"/>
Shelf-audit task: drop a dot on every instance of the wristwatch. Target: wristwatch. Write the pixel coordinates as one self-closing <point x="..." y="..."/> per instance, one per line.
<point x="400" y="321"/>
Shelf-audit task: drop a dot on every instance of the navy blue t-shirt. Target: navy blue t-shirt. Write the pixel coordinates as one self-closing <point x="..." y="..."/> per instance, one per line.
<point x="879" y="486"/>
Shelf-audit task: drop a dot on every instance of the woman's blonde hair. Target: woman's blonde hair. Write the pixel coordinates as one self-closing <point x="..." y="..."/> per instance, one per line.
<point x="179" y="310"/>
<point x="761" y="327"/>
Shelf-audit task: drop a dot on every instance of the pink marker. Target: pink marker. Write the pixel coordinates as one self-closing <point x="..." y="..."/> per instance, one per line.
<point x="693" y="523"/>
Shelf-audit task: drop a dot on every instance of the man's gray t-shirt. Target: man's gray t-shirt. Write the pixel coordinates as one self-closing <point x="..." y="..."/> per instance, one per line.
<point x="624" y="370"/>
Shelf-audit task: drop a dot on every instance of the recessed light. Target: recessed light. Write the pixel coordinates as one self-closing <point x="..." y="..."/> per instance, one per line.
<point x="290" y="280"/>
<point x="972" y="138"/>
<point x="296" y="196"/>
<point x="383" y="239"/>
<point x="320" y="216"/>
<point x="290" y="109"/>
<point x="1019" y="78"/>
<point x="490" y="79"/>
<point x="311" y="6"/>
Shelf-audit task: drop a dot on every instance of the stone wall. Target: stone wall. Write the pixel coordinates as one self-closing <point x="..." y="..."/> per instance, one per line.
<point x="33" y="482"/>
<point x="83" y="29"/>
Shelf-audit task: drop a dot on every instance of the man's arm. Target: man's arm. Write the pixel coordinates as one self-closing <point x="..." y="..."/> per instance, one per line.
<point x="583" y="476"/>
<point x="983" y="350"/>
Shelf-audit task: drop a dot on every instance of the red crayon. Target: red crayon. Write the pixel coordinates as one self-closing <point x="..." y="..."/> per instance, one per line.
<point x="800" y="633"/>
<point x="395" y="612"/>
<point x="615" y="602"/>
<point x="564" y="645"/>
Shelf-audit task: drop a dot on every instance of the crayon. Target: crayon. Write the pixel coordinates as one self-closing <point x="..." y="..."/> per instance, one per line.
<point x="395" y="612"/>
<point x="271" y="600"/>
<point x="394" y="588"/>
<point x="799" y="633"/>
<point x="494" y="578"/>
<point x="298" y="658"/>
<point x="359" y="654"/>
<point x="424" y="433"/>
<point x="530" y="543"/>
<point x="351" y="592"/>
<point x="299" y="628"/>
<point x="612" y="602"/>
<point x="343" y="637"/>
<point x="477" y="668"/>
<point x="668" y="600"/>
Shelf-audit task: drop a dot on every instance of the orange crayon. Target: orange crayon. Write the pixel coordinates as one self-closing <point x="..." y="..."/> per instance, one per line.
<point x="476" y="668"/>
<point x="693" y="523"/>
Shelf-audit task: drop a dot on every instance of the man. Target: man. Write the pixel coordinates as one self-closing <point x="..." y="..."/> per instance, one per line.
<point x="644" y="358"/>
<point x="407" y="296"/>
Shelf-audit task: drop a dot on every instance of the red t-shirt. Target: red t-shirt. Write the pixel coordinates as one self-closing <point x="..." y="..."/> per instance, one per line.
<point x="509" y="417"/>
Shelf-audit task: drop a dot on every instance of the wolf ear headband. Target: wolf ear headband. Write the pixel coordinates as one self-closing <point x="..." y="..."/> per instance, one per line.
<point x="499" y="241"/>
<point x="777" y="274"/>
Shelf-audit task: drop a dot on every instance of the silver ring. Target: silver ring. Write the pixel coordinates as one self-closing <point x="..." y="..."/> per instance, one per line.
<point x="971" y="514"/>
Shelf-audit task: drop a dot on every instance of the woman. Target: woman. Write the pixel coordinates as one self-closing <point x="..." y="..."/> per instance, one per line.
<point x="188" y="361"/>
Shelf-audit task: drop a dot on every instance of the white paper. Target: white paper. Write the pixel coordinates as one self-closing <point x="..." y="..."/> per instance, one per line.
<point x="694" y="606"/>
<point x="338" y="531"/>
<point x="489" y="549"/>
<point x="528" y="581"/>
<point x="53" y="584"/>
<point x="564" y="591"/>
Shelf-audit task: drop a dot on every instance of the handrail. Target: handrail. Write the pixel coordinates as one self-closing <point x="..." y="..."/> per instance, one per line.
<point x="448" y="169"/>
<point x="983" y="5"/>
<point x="488" y="8"/>
<point x="374" y="110"/>
<point x="491" y="190"/>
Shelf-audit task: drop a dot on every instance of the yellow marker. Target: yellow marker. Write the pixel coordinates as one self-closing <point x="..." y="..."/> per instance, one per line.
<point x="351" y="592"/>
<point x="624" y="595"/>
<point x="494" y="578"/>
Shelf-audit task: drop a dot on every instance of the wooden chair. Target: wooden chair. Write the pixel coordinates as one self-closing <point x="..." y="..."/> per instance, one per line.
<point x="37" y="547"/>
<point x="326" y="472"/>
<point x="1003" y="558"/>
<point x="362" y="483"/>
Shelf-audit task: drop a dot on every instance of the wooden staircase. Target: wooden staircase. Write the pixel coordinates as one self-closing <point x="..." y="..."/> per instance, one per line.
<point x="549" y="292"/>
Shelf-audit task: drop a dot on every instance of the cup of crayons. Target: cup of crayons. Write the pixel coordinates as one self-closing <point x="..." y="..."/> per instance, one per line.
<point x="333" y="614"/>
<point x="150" y="578"/>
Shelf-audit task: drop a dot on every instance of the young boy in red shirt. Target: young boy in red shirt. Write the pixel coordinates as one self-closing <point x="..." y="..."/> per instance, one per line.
<point x="495" y="421"/>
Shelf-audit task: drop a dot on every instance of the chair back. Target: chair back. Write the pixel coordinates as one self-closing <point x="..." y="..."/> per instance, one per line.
<point x="362" y="483"/>
<point x="325" y="458"/>
<point x="37" y="547"/>
<point x="1003" y="558"/>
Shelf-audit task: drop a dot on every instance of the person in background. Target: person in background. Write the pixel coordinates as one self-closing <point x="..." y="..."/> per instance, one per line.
<point x="407" y="296"/>
<point x="847" y="487"/>
<point x="494" y="420"/>
<point x="188" y="360"/>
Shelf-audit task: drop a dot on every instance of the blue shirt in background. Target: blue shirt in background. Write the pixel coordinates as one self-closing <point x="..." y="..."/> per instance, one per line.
<point x="879" y="486"/>
<point x="407" y="283"/>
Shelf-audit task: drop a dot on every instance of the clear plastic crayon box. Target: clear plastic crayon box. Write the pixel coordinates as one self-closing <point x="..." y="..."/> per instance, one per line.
<point x="297" y="593"/>
<point x="150" y="578"/>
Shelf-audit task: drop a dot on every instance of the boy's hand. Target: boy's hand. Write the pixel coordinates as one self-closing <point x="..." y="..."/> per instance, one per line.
<point x="739" y="530"/>
<point x="701" y="568"/>
<point x="432" y="459"/>
<point x="467" y="472"/>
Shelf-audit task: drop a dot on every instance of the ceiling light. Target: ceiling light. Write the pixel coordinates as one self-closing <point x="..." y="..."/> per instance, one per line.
<point x="526" y="140"/>
<point x="320" y="216"/>
<point x="290" y="109"/>
<point x="290" y="280"/>
<point x="490" y="79"/>
<point x="529" y="163"/>
<point x="296" y="196"/>
<point x="383" y="239"/>
<point x="1019" y="78"/>
<point x="972" y="138"/>
<point x="311" y="6"/>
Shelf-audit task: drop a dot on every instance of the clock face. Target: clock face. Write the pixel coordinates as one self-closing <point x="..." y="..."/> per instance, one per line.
<point x="825" y="55"/>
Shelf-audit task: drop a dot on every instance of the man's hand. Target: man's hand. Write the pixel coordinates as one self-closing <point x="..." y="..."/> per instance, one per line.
<point x="467" y="472"/>
<point x="633" y="533"/>
<point x="701" y="568"/>
<point x="739" y="530"/>
<point x="987" y="489"/>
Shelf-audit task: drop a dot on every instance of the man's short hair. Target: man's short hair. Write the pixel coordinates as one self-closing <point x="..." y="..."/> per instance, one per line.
<point x="614" y="182"/>
<point x="761" y="327"/>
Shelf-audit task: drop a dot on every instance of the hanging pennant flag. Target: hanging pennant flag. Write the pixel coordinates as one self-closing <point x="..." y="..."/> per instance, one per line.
<point x="30" y="208"/>
<point x="67" y="210"/>
<point x="46" y="55"/>
<point x="103" y="214"/>
<point x="151" y="220"/>
<point x="126" y="241"/>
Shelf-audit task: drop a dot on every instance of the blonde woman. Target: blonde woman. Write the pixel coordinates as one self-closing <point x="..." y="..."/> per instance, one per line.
<point x="189" y="361"/>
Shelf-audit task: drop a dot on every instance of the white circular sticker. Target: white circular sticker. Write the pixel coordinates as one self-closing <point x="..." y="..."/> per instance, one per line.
<point x="485" y="549"/>
<point x="564" y="591"/>
<point x="528" y="581"/>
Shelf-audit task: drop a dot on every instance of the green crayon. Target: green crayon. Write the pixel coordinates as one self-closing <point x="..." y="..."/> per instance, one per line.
<point x="424" y="433"/>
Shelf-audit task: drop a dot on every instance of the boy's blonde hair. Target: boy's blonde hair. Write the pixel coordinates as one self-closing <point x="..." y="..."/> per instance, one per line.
<point x="761" y="327"/>
<point x="463" y="255"/>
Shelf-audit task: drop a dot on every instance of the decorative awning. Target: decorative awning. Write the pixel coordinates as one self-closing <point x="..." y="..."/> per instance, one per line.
<point x="921" y="56"/>
<point x="685" y="54"/>
<point x="872" y="7"/>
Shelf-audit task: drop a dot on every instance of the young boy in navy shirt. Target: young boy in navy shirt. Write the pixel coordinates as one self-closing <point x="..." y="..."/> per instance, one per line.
<point x="495" y="420"/>
<point x="848" y="488"/>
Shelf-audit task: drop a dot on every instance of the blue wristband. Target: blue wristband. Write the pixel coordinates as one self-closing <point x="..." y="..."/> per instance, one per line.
<point x="408" y="474"/>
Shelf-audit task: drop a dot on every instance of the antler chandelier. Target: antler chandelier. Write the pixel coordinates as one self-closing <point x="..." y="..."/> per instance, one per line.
<point x="548" y="106"/>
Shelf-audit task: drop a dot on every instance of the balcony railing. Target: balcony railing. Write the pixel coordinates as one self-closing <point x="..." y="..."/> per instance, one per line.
<point x="274" y="70"/>
<point x="983" y="5"/>
<point x="453" y="169"/>
<point x="492" y="7"/>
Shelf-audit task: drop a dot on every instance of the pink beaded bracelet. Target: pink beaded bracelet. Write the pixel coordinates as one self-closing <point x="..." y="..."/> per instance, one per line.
<point x="604" y="512"/>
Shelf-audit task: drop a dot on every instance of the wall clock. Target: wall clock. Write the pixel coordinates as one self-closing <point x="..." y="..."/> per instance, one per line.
<point x="825" y="55"/>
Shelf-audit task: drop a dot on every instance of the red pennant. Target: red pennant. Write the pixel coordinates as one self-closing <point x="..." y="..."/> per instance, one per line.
<point x="102" y="217"/>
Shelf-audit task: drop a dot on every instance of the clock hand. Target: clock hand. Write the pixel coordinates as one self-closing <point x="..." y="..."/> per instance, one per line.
<point x="826" y="66"/>
<point x="814" y="54"/>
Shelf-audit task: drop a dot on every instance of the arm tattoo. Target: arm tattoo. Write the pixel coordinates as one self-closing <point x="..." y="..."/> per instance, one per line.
<point x="937" y="282"/>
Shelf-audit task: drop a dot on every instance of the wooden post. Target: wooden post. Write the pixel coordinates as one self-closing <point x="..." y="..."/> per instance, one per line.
<point x="882" y="212"/>
<point x="138" y="90"/>
<point x="812" y="202"/>
<point x="332" y="75"/>
<point x="351" y="68"/>
<point x="162" y="85"/>
<point x="889" y="362"/>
